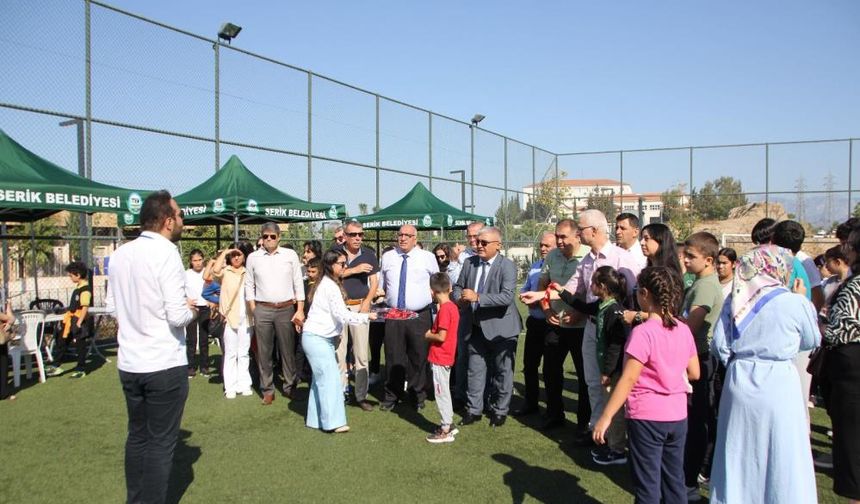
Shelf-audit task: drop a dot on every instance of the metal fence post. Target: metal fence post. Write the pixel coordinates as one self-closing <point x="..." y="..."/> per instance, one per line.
<point x="430" y="147"/>
<point x="850" y="166"/>
<point x="472" y="164"/>
<point x="88" y="166"/>
<point x="690" y="206"/>
<point x="767" y="180"/>
<point x="310" y="135"/>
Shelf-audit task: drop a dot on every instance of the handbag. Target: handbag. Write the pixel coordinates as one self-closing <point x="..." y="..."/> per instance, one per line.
<point x="817" y="362"/>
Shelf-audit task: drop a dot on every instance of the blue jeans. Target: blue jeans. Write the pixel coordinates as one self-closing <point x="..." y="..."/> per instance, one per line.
<point x="326" y="410"/>
<point x="155" y="402"/>
<point x="657" y="460"/>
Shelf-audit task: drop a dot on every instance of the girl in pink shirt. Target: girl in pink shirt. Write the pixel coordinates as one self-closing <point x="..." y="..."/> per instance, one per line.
<point x="659" y="354"/>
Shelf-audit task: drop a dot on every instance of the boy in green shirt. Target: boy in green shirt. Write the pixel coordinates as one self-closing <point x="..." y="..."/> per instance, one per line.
<point x="703" y="302"/>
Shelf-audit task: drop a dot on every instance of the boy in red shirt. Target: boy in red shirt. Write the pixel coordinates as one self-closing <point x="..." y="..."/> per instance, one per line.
<point x="443" y="346"/>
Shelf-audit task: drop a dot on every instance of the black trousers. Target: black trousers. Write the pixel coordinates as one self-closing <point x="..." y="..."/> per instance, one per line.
<point x="657" y="460"/>
<point x="377" y="336"/>
<point x="558" y="343"/>
<point x="532" y="355"/>
<point x="80" y="337"/>
<point x="406" y="357"/>
<point x="155" y="402"/>
<point x="701" y="419"/>
<point x="5" y="388"/>
<point x="197" y="338"/>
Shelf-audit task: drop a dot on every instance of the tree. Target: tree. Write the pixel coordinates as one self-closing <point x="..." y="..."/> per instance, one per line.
<point x="677" y="213"/>
<point x="546" y="199"/>
<point x="856" y="212"/>
<point x="362" y="208"/>
<point x="43" y="246"/>
<point x="602" y="201"/>
<point x="718" y="197"/>
<point x="508" y="213"/>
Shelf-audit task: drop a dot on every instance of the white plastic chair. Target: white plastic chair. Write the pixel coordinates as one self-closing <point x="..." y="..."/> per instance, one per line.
<point x="29" y="345"/>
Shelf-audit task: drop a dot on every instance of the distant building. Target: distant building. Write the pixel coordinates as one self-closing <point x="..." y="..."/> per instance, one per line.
<point x="574" y="195"/>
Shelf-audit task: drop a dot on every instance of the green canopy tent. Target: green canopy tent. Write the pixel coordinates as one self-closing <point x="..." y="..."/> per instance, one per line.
<point x="420" y="208"/>
<point x="234" y="195"/>
<point x="32" y="188"/>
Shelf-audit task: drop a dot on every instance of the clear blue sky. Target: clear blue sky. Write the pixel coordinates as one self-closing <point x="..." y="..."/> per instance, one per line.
<point x="566" y="76"/>
<point x="575" y="75"/>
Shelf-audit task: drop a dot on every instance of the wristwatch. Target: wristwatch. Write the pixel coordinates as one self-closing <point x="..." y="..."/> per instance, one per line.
<point x="637" y="319"/>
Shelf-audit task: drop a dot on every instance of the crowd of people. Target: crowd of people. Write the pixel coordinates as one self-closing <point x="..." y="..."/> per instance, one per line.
<point x="694" y="364"/>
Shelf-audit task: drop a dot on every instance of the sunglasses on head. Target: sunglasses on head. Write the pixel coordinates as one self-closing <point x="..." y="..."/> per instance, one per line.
<point x="270" y="236"/>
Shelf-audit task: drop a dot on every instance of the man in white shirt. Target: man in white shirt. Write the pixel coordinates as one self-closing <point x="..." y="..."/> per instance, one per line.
<point x="146" y="292"/>
<point x="275" y="293"/>
<point x="406" y="274"/>
<point x="627" y="237"/>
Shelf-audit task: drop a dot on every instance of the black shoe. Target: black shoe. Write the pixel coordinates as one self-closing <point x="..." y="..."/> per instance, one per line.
<point x="552" y="423"/>
<point x="387" y="406"/>
<point x="498" y="420"/>
<point x="526" y="410"/>
<point x="469" y="419"/>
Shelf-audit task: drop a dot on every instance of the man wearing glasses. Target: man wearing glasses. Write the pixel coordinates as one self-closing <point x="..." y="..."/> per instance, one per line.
<point x="462" y="360"/>
<point x="359" y="282"/>
<point x="275" y="293"/>
<point x="406" y="274"/>
<point x="485" y="292"/>
<point x="593" y="231"/>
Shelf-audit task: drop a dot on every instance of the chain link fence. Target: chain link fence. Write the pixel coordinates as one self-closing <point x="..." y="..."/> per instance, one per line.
<point x="161" y="107"/>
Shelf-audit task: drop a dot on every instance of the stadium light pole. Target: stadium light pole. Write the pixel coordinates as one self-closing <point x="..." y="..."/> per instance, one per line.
<point x="477" y="118"/>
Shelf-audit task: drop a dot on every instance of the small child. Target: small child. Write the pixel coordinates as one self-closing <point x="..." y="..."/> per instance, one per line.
<point x="75" y="323"/>
<point x="611" y="289"/>
<point x="443" y="346"/>
<point x="652" y="383"/>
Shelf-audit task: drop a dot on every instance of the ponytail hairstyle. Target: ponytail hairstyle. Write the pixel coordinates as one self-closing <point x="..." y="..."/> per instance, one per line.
<point x="661" y="284"/>
<point x="614" y="282"/>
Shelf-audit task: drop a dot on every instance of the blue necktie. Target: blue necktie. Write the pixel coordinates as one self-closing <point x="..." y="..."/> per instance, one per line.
<point x="401" y="288"/>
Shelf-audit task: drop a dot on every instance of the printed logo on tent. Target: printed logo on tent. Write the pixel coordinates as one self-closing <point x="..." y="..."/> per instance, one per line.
<point x="427" y="221"/>
<point x="450" y="220"/>
<point x="252" y="206"/>
<point x="218" y="205"/>
<point x="134" y="203"/>
<point x="332" y="212"/>
<point x="128" y="218"/>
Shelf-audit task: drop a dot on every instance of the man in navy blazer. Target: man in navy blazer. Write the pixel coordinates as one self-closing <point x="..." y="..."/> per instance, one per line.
<point x="490" y="324"/>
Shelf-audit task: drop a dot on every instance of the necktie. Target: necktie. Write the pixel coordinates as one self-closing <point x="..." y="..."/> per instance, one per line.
<point x="401" y="288"/>
<point x="480" y="287"/>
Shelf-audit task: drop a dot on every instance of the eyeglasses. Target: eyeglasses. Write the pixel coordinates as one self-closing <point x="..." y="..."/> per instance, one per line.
<point x="341" y="263"/>
<point x="484" y="243"/>
<point x="405" y="235"/>
<point x="270" y="237"/>
<point x="358" y="233"/>
<point x="441" y="256"/>
<point x="583" y="228"/>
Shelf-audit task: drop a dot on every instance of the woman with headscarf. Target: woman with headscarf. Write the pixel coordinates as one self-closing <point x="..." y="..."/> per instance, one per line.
<point x="842" y="371"/>
<point x="762" y="450"/>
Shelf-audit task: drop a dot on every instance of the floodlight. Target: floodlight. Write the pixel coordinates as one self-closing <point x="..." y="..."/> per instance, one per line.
<point x="477" y="118"/>
<point x="229" y="31"/>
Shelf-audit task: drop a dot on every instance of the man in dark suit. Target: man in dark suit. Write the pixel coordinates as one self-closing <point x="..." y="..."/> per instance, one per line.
<point x="486" y="292"/>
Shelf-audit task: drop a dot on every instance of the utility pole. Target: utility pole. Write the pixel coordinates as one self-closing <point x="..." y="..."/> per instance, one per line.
<point x="800" y="187"/>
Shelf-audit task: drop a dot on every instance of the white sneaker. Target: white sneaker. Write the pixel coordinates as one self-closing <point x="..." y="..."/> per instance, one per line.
<point x="246" y="392"/>
<point x="230" y="395"/>
<point x="693" y="494"/>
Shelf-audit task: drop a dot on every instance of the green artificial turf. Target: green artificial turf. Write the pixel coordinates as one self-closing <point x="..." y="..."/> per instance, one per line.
<point x="63" y="442"/>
